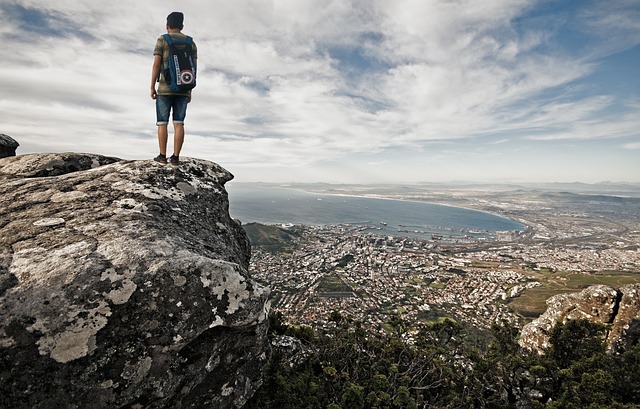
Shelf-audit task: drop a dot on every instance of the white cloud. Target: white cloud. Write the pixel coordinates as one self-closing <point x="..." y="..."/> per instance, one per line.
<point x="290" y="83"/>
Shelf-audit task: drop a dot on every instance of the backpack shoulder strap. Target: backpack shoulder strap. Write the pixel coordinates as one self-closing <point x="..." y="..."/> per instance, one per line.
<point x="170" y="40"/>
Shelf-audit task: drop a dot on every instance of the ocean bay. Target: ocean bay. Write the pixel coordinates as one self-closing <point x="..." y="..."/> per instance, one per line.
<point x="269" y="204"/>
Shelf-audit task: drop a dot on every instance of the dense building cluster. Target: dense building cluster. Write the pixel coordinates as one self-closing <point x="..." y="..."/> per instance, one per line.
<point x="383" y="276"/>
<point x="353" y="271"/>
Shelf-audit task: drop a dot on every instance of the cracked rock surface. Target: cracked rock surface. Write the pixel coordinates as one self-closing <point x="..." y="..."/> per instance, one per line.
<point x="124" y="284"/>
<point x="617" y="309"/>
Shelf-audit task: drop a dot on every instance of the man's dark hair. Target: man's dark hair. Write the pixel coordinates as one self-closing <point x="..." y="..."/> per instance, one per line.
<point x="175" y="20"/>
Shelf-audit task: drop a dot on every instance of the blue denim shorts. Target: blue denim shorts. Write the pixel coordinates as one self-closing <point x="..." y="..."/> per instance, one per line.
<point x="174" y="103"/>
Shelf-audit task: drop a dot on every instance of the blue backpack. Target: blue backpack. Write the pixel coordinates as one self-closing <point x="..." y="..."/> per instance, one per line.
<point x="180" y="71"/>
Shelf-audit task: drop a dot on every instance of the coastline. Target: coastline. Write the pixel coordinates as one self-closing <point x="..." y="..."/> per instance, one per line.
<point x="401" y="216"/>
<point x="523" y="222"/>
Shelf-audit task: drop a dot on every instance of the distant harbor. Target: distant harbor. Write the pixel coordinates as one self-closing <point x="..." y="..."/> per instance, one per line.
<point x="284" y="206"/>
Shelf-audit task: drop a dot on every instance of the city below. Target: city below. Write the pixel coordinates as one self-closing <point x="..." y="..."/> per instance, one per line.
<point x="571" y="241"/>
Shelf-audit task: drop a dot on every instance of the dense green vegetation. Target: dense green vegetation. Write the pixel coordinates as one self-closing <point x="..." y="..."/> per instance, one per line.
<point x="433" y="366"/>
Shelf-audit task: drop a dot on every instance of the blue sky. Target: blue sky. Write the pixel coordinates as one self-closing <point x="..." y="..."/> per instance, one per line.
<point x="341" y="91"/>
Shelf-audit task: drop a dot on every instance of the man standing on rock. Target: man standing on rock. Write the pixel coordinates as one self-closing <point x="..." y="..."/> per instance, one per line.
<point x="167" y="99"/>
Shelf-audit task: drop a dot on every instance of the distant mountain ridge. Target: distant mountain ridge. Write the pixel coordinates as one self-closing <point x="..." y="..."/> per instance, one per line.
<point x="604" y="188"/>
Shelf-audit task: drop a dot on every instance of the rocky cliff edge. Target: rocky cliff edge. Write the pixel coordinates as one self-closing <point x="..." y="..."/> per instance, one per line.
<point x="124" y="284"/>
<point x="617" y="309"/>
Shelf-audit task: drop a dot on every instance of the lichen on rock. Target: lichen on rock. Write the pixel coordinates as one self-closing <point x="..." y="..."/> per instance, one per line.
<point x="124" y="284"/>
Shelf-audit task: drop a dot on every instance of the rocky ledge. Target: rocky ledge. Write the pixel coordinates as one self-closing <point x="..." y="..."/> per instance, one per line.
<point x="124" y="284"/>
<point x="8" y="146"/>
<point x="617" y="309"/>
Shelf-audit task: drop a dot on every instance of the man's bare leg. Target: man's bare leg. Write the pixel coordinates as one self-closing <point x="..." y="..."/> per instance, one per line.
<point x="163" y="136"/>
<point x="178" y="138"/>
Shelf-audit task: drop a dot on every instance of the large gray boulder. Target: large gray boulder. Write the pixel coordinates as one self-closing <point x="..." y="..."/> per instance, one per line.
<point x="124" y="284"/>
<point x="617" y="309"/>
<point x="8" y="146"/>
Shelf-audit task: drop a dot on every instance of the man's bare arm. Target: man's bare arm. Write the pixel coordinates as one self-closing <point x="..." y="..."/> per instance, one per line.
<point x="155" y="73"/>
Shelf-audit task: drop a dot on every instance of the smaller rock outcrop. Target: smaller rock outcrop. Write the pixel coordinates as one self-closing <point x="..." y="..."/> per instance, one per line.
<point x="618" y="310"/>
<point x="8" y="146"/>
<point x="292" y="349"/>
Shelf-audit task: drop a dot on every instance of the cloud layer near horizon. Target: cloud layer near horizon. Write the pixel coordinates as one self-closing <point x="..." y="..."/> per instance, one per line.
<point x="291" y="88"/>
